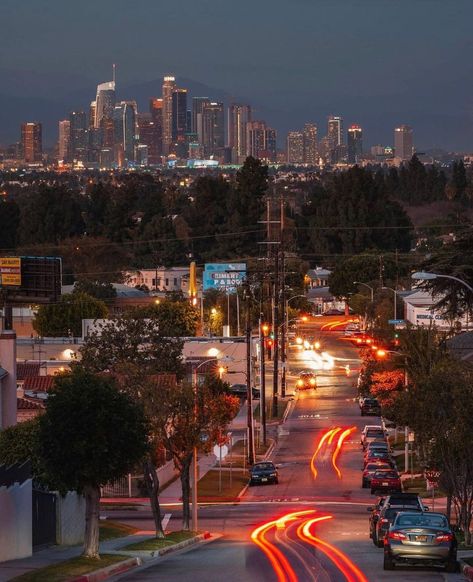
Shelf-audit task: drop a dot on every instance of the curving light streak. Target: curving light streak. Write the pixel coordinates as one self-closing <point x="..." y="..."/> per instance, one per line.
<point x="350" y="570"/>
<point x="277" y="559"/>
<point x="335" y="432"/>
<point x="322" y="440"/>
<point x="336" y="452"/>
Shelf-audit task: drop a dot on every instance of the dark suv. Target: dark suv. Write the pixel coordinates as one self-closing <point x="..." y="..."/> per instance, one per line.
<point x="370" y="407"/>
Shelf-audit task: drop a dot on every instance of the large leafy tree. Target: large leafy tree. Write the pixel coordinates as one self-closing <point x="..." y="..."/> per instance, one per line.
<point x="129" y="340"/>
<point x="64" y="318"/>
<point x="187" y="414"/>
<point x="9" y="223"/>
<point x="453" y="259"/>
<point x="90" y="434"/>
<point x="173" y="318"/>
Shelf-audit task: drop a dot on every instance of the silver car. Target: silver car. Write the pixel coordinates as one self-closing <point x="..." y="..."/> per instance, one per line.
<point x="424" y="538"/>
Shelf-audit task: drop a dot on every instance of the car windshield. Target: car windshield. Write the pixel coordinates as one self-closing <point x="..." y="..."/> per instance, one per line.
<point x="371" y="401"/>
<point x="263" y="466"/>
<point x="377" y="466"/>
<point x="375" y="433"/>
<point x="386" y="475"/>
<point x="422" y="520"/>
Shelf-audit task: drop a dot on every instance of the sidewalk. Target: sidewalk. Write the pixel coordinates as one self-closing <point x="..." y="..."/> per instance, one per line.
<point x="55" y="554"/>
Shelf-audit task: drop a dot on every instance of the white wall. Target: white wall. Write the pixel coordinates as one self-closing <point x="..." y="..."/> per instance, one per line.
<point x="16" y="517"/>
<point x="166" y="473"/>
<point x="70" y="519"/>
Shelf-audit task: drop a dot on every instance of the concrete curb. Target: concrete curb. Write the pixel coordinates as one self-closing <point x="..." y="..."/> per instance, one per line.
<point x="269" y="452"/>
<point x="243" y="491"/>
<point x="289" y="406"/>
<point x="466" y="569"/>
<point x="190" y="542"/>
<point x="109" y="571"/>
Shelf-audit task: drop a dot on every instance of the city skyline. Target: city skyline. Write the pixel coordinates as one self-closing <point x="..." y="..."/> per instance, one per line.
<point x="336" y="57"/>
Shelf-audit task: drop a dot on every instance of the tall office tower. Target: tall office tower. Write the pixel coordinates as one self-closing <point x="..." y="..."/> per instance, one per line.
<point x="105" y="102"/>
<point x="335" y="130"/>
<point x="64" y="139"/>
<point x="148" y="136"/>
<point x="355" y="144"/>
<point x="238" y="117"/>
<point x="403" y="142"/>
<point x="169" y="84"/>
<point x="295" y="147"/>
<point x="78" y="136"/>
<point x="124" y="122"/>
<point x="179" y="122"/>
<point x="156" y="150"/>
<point x="92" y="112"/>
<point x="31" y="142"/>
<point x="198" y="104"/>
<point x="213" y="129"/>
<point x="311" y="149"/>
<point x="261" y="141"/>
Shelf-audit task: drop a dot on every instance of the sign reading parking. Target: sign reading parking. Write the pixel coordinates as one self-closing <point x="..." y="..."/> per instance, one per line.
<point x="224" y="276"/>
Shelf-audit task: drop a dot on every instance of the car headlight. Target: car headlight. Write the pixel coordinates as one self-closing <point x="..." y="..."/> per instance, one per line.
<point x="317" y="345"/>
<point x="272" y="474"/>
<point x="312" y="382"/>
<point x="300" y="383"/>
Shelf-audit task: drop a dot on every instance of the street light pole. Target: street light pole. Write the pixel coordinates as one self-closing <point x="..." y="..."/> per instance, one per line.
<point x="395" y="300"/>
<point x="366" y="285"/>
<point x="262" y="380"/>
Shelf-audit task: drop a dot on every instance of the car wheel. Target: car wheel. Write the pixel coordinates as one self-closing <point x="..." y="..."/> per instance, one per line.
<point x="379" y="542"/>
<point x="452" y="565"/>
<point x="362" y="413"/>
<point x="364" y="484"/>
<point x="388" y="563"/>
<point x="276" y="481"/>
<point x="374" y="537"/>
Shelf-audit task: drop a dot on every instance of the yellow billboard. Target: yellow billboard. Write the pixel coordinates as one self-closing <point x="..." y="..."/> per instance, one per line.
<point x="10" y="272"/>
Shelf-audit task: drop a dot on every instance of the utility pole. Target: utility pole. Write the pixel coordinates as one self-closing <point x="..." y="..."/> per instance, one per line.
<point x="249" y="391"/>
<point x="284" y="330"/>
<point x="276" y="299"/>
<point x="262" y="379"/>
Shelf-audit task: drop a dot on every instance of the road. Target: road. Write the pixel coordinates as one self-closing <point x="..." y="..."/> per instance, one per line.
<point x="336" y="548"/>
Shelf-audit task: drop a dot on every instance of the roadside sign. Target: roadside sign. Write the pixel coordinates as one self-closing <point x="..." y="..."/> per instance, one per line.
<point x="431" y="485"/>
<point x="396" y="321"/>
<point x="411" y="436"/>
<point x="224" y="276"/>
<point x="220" y="452"/>
<point x="10" y="272"/>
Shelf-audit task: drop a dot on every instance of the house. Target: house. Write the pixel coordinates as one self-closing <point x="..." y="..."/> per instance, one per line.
<point x="160" y="279"/>
<point x="317" y="277"/>
<point x="419" y="310"/>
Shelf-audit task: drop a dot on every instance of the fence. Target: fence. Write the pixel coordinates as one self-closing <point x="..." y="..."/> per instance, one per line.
<point x="134" y="486"/>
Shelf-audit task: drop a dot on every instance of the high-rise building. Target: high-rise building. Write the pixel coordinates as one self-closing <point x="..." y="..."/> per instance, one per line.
<point x="169" y="84"/>
<point x="311" y="149"/>
<point x="261" y="141"/>
<point x="238" y="117"/>
<point x="124" y="123"/>
<point x="92" y="112"/>
<point x="179" y="122"/>
<point x="78" y="136"/>
<point x="155" y="151"/>
<point x="295" y="147"/>
<point x="64" y="139"/>
<point x="148" y="136"/>
<point x="32" y="142"/>
<point x="403" y="142"/>
<point x="335" y="130"/>
<point x="213" y="129"/>
<point x="354" y="144"/>
<point x="104" y="102"/>
<point x="198" y="104"/>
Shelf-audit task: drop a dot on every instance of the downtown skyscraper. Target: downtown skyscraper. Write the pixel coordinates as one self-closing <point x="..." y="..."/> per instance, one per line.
<point x="403" y="142"/>
<point x="238" y="118"/>
<point x="32" y="142"/>
<point x="354" y="144"/>
<point x="169" y="85"/>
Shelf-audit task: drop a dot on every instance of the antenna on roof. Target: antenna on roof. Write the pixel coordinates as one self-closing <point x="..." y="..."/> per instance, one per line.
<point x="114" y="72"/>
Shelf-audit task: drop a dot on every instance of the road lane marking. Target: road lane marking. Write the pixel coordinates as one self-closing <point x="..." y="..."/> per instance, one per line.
<point x="166" y="519"/>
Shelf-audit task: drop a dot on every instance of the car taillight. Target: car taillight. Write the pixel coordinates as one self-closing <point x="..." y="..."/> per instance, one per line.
<point x="396" y="535"/>
<point x="444" y="538"/>
<point x="385" y="520"/>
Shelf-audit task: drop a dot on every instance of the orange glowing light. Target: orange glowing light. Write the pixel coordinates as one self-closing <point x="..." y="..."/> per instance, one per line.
<point x="336" y="431"/>
<point x="322" y="440"/>
<point x="350" y="570"/>
<point x="381" y="353"/>
<point x="340" y="442"/>
<point x="278" y="561"/>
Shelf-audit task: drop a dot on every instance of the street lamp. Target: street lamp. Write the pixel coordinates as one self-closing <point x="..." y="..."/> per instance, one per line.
<point x="195" y="468"/>
<point x="425" y="276"/>
<point x="366" y="285"/>
<point x="395" y="300"/>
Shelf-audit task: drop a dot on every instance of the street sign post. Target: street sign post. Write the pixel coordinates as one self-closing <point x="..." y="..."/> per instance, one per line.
<point x="432" y="477"/>
<point x="396" y="321"/>
<point x="220" y="451"/>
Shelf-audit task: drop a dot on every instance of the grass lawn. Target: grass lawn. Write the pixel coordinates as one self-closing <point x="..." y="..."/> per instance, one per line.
<point x="208" y="485"/>
<point x="399" y="445"/>
<point x="70" y="569"/>
<point x="418" y="485"/>
<point x="110" y="530"/>
<point x="158" y="544"/>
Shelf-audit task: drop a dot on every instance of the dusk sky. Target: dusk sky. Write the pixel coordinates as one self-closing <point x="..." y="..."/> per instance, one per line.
<point x="376" y="62"/>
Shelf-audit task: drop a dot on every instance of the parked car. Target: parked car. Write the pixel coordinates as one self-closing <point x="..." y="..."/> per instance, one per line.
<point x="264" y="472"/>
<point x="408" y="501"/>
<point x="379" y="457"/>
<point x="241" y="390"/>
<point x="306" y="381"/>
<point x="372" y="433"/>
<point x="385" y="481"/>
<point x="420" y="538"/>
<point x="387" y="515"/>
<point x="378" y="445"/>
<point x="370" y="407"/>
<point x="370" y="469"/>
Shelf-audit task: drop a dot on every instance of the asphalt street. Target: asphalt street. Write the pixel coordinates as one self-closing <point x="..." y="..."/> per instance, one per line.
<point x="327" y="487"/>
